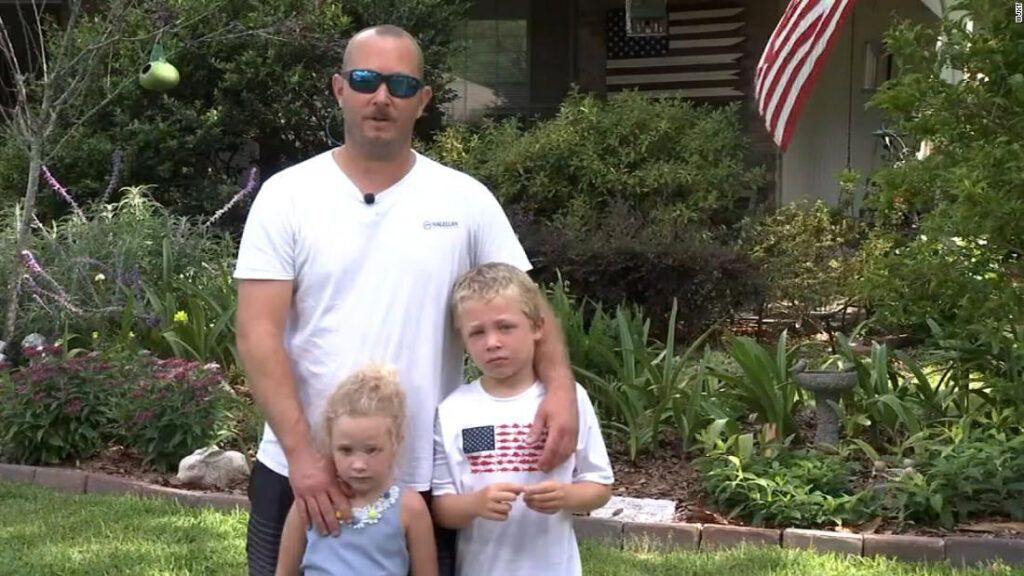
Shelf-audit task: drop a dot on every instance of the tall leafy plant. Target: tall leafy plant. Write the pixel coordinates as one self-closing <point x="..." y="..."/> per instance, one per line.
<point x="764" y="384"/>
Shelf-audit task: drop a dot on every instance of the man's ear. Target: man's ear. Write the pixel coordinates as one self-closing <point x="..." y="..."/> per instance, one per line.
<point x="425" y="95"/>
<point x="337" y="87"/>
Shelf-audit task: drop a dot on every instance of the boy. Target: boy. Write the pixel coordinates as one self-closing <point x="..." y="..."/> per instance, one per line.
<point x="512" y="518"/>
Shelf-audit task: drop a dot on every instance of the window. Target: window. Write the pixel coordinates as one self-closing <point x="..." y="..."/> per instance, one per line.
<point x="492" y="73"/>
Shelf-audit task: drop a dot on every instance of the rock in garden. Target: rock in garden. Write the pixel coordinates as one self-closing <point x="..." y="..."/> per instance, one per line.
<point x="213" y="467"/>
<point x="33" y="340"/>
<point x="627" y="509"/>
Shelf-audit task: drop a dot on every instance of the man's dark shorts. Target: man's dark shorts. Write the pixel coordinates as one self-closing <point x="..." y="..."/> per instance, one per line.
<point x="270" y="498"/>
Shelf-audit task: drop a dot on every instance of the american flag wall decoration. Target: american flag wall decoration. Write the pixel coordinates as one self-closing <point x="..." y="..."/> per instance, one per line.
<point x="699" y="57"/>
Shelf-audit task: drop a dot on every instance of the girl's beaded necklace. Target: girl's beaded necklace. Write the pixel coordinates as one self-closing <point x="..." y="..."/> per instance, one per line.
<point x="363" y="516"/>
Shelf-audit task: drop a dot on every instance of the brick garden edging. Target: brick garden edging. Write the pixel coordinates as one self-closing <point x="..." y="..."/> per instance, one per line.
<point x="958" y="551"/>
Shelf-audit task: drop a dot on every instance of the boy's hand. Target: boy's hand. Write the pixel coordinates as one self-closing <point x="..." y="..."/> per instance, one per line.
<point x="495" y="501"/>
<point x="547" y="497"/>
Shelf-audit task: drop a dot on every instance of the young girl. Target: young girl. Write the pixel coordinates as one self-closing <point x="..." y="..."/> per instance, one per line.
<point x="390" y="531"/>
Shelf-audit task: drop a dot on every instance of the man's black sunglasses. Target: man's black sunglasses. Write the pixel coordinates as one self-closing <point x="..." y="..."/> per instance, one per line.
<point x="368" y="81"/>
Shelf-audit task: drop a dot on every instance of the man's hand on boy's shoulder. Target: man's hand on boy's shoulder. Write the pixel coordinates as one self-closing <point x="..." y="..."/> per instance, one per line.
<point x="548" y="497"/>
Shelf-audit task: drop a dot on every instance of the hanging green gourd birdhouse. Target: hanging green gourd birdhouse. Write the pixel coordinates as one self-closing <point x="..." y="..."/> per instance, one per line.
<point x="158" y="74"/>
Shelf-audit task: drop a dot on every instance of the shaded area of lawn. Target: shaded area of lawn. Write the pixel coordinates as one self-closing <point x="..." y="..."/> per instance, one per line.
<point x="46" y="532"/>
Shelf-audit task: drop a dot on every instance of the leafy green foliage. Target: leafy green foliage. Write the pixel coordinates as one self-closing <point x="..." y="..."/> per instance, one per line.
<point x="254" y="90"/>
<point x="763" y="382"/>
<point x="57" y="408"/>
<point x="790" y="488"/>
<point x="969" y="470"/>
<point x="667" y="156"/>
<point x="171" y="408"/>
<point x="806" y="254"/>
<point x="954" y="221"/>
<point x="628" y="258"/>
<point x="642" y="388"/>
<point x="120" y="275"/>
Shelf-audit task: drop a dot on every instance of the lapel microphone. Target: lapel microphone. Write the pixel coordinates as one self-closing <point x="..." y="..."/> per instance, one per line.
<point x="369" y="199"/>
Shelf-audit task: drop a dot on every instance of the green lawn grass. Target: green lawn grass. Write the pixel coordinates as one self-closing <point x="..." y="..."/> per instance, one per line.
<point x="46" y="532"/>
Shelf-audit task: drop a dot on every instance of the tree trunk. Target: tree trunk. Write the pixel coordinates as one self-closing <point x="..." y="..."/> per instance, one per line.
<point x="23" y="239"/>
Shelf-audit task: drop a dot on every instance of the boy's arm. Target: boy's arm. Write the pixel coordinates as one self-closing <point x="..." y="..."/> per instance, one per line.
<point x="293" y="545"/>
<point x="493" y="503"/>
<point x="551" y="497"/>
<point x="419" y="534"/>
<point x="592" y="476"/>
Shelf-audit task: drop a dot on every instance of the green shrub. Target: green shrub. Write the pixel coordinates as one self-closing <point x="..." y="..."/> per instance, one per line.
<point x="254" y="90"/>
<point x="171" y="408"/>
<point x="627" y="261"/>
<point x="656" y="156"/>
<point x="792" y="488"/>
<point x="57" y="408"/>
<point x="762" y="382"/>
<point x="952" y="223"/>
<point x="959" y="474"/>
<point x="805" y="252"/>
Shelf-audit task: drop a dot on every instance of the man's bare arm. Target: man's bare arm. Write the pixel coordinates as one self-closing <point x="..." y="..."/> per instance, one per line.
<point x="263" y="307"/>
<point x="558" y="413"/>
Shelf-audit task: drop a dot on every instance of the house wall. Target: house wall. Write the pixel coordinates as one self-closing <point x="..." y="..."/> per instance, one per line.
<point x="835" y="125"/>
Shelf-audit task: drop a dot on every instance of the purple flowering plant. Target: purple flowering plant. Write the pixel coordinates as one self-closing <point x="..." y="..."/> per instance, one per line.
<point x="173" y="407"/>
<point x="57" y="407"/>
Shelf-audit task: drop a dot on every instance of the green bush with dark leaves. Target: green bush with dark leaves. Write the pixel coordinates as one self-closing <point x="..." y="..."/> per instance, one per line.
<point x="629" y="259"/>
<point x="57" y="407"/>
<point x="670" y="157"/>
<point x="173" y="407"/>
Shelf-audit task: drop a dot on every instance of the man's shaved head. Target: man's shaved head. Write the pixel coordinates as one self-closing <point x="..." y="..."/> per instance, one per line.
<point x="387" y="31"/>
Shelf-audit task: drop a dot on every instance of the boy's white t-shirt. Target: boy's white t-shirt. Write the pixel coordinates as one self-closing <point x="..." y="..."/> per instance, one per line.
<point x="479" y="440"/>
<point x="372" y="283"/>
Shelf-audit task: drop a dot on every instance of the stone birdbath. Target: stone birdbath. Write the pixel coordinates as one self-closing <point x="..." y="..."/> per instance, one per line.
<point x="827" y="387"/>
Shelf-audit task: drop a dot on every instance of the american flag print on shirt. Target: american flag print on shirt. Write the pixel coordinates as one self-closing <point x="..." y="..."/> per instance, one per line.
<point x="500" y="448"/>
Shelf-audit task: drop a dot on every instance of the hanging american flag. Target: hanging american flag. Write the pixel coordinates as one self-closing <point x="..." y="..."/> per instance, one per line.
<point x="698" y="58"/>
<point x="500" y="448"/>
<point x="793" y="59"/>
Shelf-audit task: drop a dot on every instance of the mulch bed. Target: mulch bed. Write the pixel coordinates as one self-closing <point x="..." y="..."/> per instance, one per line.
<point x="667" y="475"/>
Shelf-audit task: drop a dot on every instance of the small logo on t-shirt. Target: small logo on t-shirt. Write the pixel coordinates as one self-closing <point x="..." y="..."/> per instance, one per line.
<point x="431" y="224"/>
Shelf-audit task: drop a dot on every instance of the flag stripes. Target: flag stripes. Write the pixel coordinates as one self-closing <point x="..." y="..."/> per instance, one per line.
<point x="698" y="58"/>
<point x="792" y="61"/>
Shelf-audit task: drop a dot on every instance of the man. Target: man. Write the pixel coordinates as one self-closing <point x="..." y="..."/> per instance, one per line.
<point x="350" y="257"/>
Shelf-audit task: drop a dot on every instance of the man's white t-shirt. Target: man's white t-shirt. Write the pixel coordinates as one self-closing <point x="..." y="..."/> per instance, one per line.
<point x="372" y="283"/>
<point x="479" y="440"/>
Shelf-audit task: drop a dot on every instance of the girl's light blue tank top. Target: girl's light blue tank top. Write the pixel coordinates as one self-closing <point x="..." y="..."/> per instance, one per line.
<point x="374" y="550"/>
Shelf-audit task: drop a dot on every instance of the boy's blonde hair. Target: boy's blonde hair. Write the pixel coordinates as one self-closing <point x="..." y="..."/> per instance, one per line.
<point x="488" y="281"/>
<point x="373" y="390"/>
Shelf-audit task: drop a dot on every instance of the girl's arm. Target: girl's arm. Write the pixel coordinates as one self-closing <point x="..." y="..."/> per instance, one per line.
<point x="293" y="545"/>
<point x="419" y="534"/>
